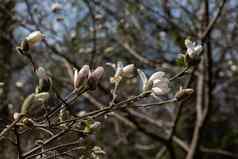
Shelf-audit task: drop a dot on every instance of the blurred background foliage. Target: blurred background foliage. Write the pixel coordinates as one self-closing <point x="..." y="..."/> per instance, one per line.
<point x="147" y="33"/>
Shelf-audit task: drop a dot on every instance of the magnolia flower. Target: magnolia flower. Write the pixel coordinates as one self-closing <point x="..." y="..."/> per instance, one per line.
<point x="122" y="71"/>
<point x="128" y="70"/>
<point x="193" y="50"/>
<point x="56" y="7"/>
<point x="157" y="83"/>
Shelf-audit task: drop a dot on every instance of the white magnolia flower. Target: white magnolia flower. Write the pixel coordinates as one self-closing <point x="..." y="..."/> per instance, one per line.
<point x="128" y="70"/>
<point x="121" y="71"/>
<point x="34" y="38"/>
<point x="157" y="83"/>
<point x="193" y="50"/>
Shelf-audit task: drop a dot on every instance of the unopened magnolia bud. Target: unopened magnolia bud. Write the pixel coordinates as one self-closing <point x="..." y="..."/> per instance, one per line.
<point x="81" y="113"/>
<point x="42" y="96"/>
<point x="128" y="70"/>
<point x="184" y="93"/>
<point x="33" y="38"/>
<point x="98" y="73"/>
<point x="95" y="77"/>
<point x="16" y="115"/>
<point x="56" y="7"/>
<point x="81" y="76"/>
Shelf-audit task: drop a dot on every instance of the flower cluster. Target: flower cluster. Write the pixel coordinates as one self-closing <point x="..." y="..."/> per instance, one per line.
<point x="85" y="77"/>
<point x="157" y="83"/>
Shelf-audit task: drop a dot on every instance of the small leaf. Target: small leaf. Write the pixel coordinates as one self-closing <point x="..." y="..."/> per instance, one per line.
<point x="180" y="61"/>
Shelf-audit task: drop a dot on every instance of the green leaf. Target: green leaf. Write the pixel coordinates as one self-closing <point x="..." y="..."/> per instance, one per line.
<point x="180" y="61"/>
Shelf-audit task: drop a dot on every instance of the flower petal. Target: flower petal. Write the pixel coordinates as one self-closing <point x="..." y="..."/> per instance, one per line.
<point x="156" y="75"/>
<point x="164" y="82"/>
<point x="160" y="91"/>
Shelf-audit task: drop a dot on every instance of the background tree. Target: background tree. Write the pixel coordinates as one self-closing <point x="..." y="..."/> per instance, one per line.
<point x="147" y="33"/>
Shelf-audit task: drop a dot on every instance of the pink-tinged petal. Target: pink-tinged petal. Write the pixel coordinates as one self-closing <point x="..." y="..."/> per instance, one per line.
<point x="161" y="82"/>
<point x="160" y="91"/>
<point x="98" y="73"/>
<point x="81" y="76"/>
<point x="84" y="71"/>
<point x="156" y="75"/>
<point x="128" y="70"/>
<point x="157" y="91"/>
<point x="75" y="78"/>
<point x="95" y="77"/>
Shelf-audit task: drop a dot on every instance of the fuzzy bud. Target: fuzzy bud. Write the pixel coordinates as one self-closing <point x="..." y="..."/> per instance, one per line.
<point x="184" y="93"/>
<point x="16" y="115"/>
<point x="95" y="77"/>
<point x="33" y="39"/>
<point x="81" y="76"/>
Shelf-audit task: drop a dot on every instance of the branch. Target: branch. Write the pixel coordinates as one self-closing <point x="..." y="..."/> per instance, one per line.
<point x="4" y="131"/>
<point x="213" y="21"/>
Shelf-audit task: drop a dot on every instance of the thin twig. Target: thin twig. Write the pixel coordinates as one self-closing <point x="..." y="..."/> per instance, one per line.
<point x="4" y="131"/>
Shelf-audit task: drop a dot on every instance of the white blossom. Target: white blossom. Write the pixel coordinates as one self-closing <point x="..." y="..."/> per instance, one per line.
<point x="121" y="71"/>
<point x="157" y="83"/>
<point x="193" y="50"/>
<point x="128" y="70"/>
